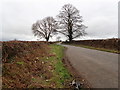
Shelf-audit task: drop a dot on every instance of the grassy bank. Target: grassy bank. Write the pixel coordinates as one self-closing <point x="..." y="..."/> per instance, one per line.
<point x="33" y="65"/>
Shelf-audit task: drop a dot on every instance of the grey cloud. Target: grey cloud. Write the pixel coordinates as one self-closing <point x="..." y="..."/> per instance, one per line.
<point x="18" y="16"/>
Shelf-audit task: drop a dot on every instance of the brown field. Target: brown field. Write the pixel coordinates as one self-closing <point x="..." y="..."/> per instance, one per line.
<point x="112" y="44"/>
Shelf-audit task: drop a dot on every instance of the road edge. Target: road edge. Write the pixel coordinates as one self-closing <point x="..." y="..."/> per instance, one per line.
<point x="77" y="76"/>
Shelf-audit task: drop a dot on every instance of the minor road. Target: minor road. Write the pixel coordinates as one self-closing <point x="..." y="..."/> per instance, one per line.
<point x="98" y="67"/>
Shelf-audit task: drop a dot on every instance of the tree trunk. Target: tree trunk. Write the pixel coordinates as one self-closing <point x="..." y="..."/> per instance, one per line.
<point x="70" y="33"/>
<point x="47" y="39"/>
<point x="70" y="38"/>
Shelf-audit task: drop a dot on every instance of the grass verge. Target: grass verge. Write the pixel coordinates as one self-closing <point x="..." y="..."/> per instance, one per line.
<point x="60" y="73"/>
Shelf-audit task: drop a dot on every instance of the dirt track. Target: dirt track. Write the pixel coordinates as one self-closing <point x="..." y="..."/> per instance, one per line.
<point x="98" y="67"/>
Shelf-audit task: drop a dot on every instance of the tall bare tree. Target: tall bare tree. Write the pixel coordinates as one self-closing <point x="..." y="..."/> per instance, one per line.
<point x="45" y="28"/>
<point x="70" y="22"/>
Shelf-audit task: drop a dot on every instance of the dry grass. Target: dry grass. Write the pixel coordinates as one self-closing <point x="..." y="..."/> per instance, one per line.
<point x="22" y="64"/>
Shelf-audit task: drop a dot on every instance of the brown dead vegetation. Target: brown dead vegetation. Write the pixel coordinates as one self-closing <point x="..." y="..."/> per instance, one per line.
<point x="23" y="64"/>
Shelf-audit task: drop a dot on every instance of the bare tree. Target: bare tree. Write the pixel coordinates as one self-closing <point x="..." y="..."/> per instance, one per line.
<point x="70" y="22"/>
<point x="45" y="28"/>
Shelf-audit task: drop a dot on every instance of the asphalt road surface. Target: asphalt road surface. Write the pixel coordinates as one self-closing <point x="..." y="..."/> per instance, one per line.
<point x="98" y="67"/>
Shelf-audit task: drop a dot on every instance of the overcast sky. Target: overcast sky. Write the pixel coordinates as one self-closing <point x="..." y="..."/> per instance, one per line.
<point x="101" y="17"/>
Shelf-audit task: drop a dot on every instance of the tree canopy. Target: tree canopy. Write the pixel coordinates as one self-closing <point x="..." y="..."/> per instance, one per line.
<point x="45" y="28"/>
<point x="70" y="22"/>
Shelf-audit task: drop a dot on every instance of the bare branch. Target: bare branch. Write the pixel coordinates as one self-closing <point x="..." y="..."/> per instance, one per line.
<point x="45" y="28"/>
<point x="70" y="22"/>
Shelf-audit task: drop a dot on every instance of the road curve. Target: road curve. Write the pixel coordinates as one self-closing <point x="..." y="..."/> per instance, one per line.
<point x="98" y="67"/>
